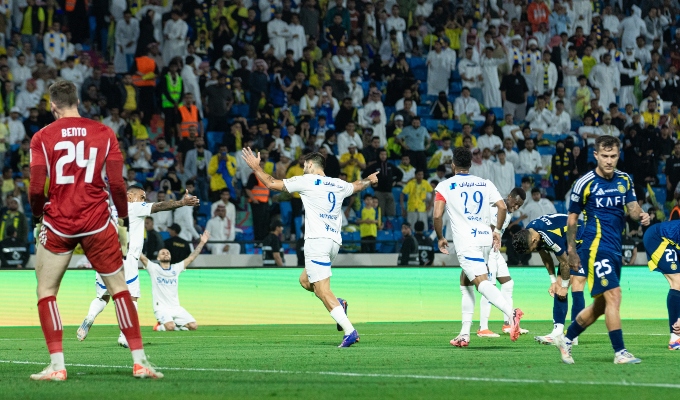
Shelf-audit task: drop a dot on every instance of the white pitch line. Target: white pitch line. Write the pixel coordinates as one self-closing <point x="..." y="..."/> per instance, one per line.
<point x="390" y="376"/>
<point x="171" y="336"/>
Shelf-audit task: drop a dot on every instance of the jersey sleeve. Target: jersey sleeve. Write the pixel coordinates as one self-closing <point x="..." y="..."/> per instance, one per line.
<point x="439" y="197"/>
<point x="178" y="267"/>
<point x="348" y="189"/>
<point x="139" y="210"/>
<point x="295" y="184"/>
<point x="37" y="155"/>
<point x="578" y="197"/>
<point x="551" y="244"/>
<point x="630" y="190"/>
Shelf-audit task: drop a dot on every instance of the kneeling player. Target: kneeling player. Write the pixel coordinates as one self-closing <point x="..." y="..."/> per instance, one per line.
<point x="548" y="234"/>
<point x="164" y="280"/>
<point x="662" y="242"/>
<point x="498" y="269"/>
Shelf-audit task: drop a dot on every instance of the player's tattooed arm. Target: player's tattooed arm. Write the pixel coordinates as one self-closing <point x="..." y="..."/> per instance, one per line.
<point x="636" y="213"/>
<point x="366" y="182"/>
<point x="204" y="239"/>
<point x="253" y="162"/>
<point x="572" y="227"/>
<point x="187" y="200"/>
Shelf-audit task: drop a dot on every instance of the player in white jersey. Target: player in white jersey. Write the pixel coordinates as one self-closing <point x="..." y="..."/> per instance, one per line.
<point x="138" y="210"/>
<point x="466" y="199"/>
<point x="322" y="198"/>
<point x="498" y="268"/>
<point x="164" y="289"/>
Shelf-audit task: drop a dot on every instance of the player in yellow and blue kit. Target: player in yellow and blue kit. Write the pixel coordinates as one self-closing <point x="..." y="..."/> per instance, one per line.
<point x="602" y="195"/>
<point x="662" y="243"/>
<point x="548" y="234"/>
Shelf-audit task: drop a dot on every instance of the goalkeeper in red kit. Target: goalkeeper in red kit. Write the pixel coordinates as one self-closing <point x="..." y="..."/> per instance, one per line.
<point x="78" y="155"/>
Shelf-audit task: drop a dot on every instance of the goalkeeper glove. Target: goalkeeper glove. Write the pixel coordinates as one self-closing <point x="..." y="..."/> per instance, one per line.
<point x="123" y="226"/>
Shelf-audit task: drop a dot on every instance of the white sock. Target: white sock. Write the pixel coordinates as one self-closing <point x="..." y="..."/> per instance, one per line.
<point x="558" y="329"/>
<point x="96" y="307"/>
<point x="506" y="291"/>
<point x="138" y="356"/>
<point x="674" y="337"/>
<point x="468" y="308"/>
<point x="121" y="332"/>
<point x="338" y="314"/>
<point x="491" y="292"/>
<point x="57" y="361"/>
<point x="484" y="312"/>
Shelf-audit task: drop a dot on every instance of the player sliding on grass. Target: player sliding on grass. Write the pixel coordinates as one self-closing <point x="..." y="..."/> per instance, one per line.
<point x="602" y="195"/>
<point x="498" y="269"/>
<point x="466" y="198"/>
<point x="77" y="154"/>
<point x="322" y="197"/>
<point x="138" y="210"/>
<point x="662" y="242"/>
<point x="164" y="289"/>
<point x="548" y="234"/>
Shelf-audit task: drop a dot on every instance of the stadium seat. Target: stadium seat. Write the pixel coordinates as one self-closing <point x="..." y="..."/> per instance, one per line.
<point x="661" y="178"/>
<point x="546" y="150"/>
<point x="286" y="212"/>
<point x="240" y="109"/>
<point x="420" y="73"/>
<point x="298" y="226"/>
<point x="204" y="209"/>
<point x="201" y="221"/>
<point x="659" y="193"/>
<point x="498" y="112"/>
<point x="389" y="111"/>
<point x="214" y="139"/>
<point x="560" y="207"/>
<point x="398" y="237"/>
<point x="455" y="87"/>
<point x="366" y="86"/>
<point x="422" y="88"/>
<point x="385" y="247"/>
<point x="575" y="124"/>
<point x="424" y="111"/>
<point x="415" y="62"/>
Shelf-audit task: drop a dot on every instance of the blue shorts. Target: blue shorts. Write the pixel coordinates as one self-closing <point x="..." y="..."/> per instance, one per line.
<point x="662" y="254"/>
<point x="603" y="269"/>
<point x="581" y="272"/>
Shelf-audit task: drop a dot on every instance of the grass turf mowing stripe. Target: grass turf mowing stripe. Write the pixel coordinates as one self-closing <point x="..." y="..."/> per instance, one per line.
<point x="369" y="375"/>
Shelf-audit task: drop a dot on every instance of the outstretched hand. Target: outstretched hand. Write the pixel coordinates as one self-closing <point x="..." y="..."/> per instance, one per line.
<point x="250" y="158"/>
<point x="443" y="245"/>
<point x="205" y="237"/>
<point x="190" y="200"/>
<point x="373" y="178"/>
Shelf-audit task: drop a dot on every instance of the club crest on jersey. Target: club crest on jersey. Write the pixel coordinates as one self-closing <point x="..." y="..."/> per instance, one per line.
<point x="317" y="182"/>
<point x="621" y="188"/>
<point x="453" y="186"/>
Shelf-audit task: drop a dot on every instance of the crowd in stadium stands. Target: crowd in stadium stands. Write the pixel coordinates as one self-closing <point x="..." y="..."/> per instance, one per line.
<point x="374" y="85"/>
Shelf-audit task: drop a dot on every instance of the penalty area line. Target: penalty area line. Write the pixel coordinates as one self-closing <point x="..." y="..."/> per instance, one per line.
<point x="377" y="375"/>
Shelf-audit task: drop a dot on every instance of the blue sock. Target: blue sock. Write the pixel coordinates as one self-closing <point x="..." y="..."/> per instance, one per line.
<point x="616" y="338"/>
<point x="673" y="304"/>
<point x="560" y="310"/>
<point x="574" y="330"/>
<point x="577" y="305"/>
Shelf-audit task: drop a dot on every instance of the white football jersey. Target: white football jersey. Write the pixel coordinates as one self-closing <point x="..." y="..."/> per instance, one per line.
<point x="164" y="287"/>
<point x="322" y="197"/>
<point x="468" y="199"/>
<point x="494" y="218"/>
<point x="137" y="212"/>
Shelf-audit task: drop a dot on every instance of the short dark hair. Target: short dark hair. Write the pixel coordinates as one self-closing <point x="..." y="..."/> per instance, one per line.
<point x="419" y="226"/>
<point x="519" y="192"/>
<point x="462" y="158"/>
<point x="535" y="190"/>
<point x="316" y="159"/>
<point x="607" y="142"/>
<point x="520" y="241"/>
<point x="526" y="179"/>
<point x="275" y="224"/>
<point x="64" y="93"/>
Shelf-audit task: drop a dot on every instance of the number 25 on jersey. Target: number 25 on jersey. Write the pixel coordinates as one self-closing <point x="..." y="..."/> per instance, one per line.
<point x="74" y="152"/>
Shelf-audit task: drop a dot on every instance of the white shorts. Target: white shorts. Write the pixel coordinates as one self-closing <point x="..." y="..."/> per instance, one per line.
<point x="131" y="269"/>
<point x="178" y="315"/>
<point x="498" y="267"/>
<point x="319" y="255"/>
<point x="473" y="260"/>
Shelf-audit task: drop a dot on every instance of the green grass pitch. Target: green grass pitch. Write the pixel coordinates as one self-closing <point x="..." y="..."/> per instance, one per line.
<point x="393" y="360"/>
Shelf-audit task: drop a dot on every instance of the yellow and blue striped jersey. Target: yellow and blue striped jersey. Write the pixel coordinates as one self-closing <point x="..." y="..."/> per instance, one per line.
<point x="553" y="231"/>
<point x="603" y="204"/>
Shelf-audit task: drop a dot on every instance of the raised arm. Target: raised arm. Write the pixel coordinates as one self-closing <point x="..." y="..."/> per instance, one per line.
<point x="362" y="184"/>
<point x="204" y="239"/>
<point x="144" y="260"/>
<point x="254" y="163"/>
<point x="187" y="200"/>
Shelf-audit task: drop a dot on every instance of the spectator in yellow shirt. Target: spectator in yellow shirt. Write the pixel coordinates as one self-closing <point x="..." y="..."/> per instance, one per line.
<point x="467" y="132"/>
<point x="417" y="206"/>
<point x="352" y="163"/>
<point x="368" y="225"/>
<point x="222" y="172"/>
<point x="651" y="116"/>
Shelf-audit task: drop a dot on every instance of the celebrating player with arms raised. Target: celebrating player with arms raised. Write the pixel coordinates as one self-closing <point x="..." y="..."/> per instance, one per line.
<point x="322" y="197"/>
<point x="467" y="199"/>
<point x="548" y="234"/>
<point x="138" y="210"/>
<point x="77" y="154"/>
<point x="602" y="195"/>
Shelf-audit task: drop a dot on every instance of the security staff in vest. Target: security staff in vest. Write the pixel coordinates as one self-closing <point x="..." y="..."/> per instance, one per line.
<point x="258" y="196"/>
<point x="272" y="250"/>
<point x="144" y="73"/>
<point x="408" y="255"/>
<point x="172" y="89"/>
<point x="13" y="252"/>
<point x="189" y="115"/>
<point x="425" y="246"/>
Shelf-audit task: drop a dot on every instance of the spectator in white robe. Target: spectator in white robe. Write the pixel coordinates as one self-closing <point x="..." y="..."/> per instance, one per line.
<point x="632" y="27"/>
<point x="503" y="174"/>
<point x="278" y="33"/>
<point x="127" y="33"/>
<point x="374" y="116"/>
<point x="439" y="67"/>
<point x="297" y="40"/>
<point x="467" y="108"/>
<point x="222" y="228"/>
<point x="175" y="34"/>
<point x="490" y="83"/>
<point x="54" y="43"/>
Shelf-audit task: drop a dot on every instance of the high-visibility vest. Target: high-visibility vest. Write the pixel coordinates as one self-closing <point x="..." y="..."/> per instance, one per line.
<point x="71" y="5"/>
<point x="189" y="118"/>
<point x="145" y="65"/>
<point x="260" y="192"/>
<point x="174" y="90"/>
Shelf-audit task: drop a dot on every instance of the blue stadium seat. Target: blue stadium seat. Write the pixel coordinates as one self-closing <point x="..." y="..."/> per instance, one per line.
<point x="424" y="111"/>
<point x="420" y="73"/>
<point x="214" y="139"/>
<point x="422" y="88"/>
<point x="498" y="112"/>
<point x="661" y="178"/>
<point x="201" y="221"/>
<point x="575" y="124"/>
<point x="455" y="75"/>
<point x="298" y="226"/>
<point x="546" y="150"/>
<point x="518" y="180"/>
<point x="165" y="235"/>
<point x="660" y="193"/>
<point x="286" y="212"/>
<point x="240" y="109"/>
<point x="295" y="110"/>
<point x="560" y="206"/>
<point x="204" y="209"/>
<point x="365" y="86"/>
<point x="396" y="193"/>
<point x="415" y="62"/>
<point x="389" y="110"/>
<point x="398" y="237"/>
<point x="530" y="101"/>
<point x="385" y="247"/>
<point x="428" y="99"/>
<point x="455" y="87"/>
